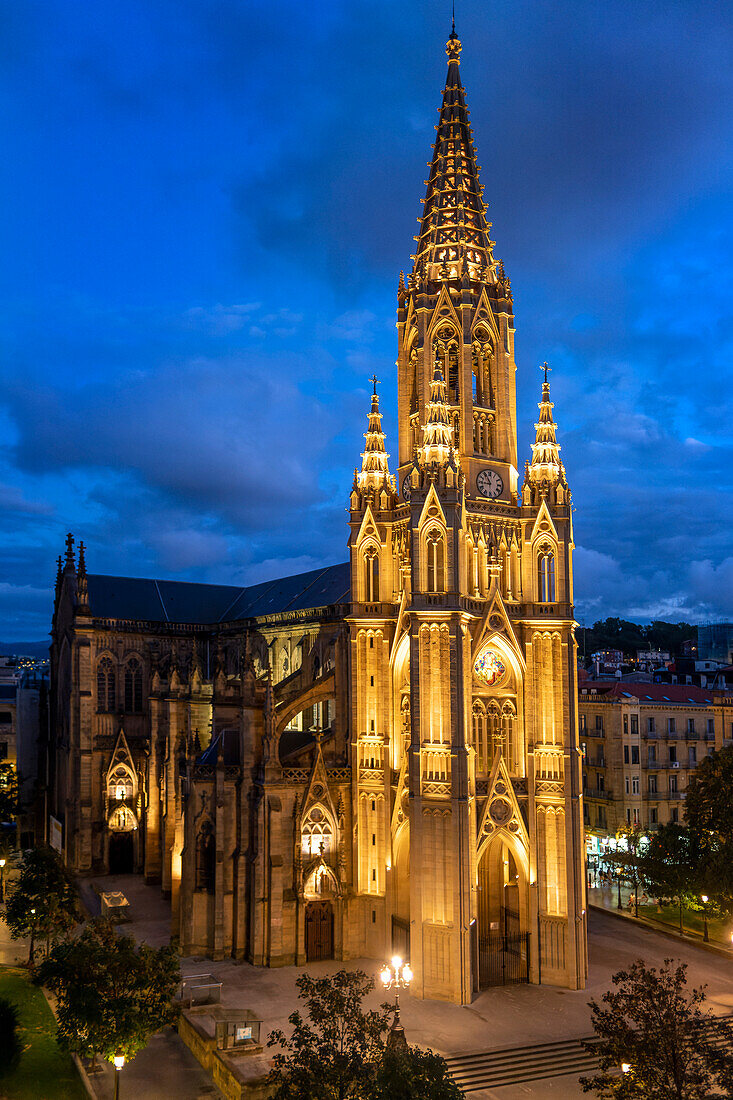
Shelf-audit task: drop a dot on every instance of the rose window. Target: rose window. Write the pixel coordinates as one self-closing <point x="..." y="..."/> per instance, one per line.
<point x="489" y="668"/>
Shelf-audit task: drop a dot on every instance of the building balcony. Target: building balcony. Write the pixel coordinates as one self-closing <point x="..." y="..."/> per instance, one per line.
<point x="599" y="796"/>
<point x="593" y="733"/>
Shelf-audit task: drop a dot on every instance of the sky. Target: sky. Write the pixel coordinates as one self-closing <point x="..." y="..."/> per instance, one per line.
<point x="206" y="206"/>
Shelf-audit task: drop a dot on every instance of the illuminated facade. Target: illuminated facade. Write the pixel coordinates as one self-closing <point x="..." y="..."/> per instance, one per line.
<point x="437" y="804"/>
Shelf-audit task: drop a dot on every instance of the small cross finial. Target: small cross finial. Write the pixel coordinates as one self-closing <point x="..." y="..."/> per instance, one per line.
<point x="545" y="368"/>
<point x="453" y="22"/>
<point x="375" y="382"/>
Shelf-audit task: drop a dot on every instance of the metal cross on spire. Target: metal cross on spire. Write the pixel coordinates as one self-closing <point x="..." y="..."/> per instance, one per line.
<point x="453" y="27"/>
<point x="375" y="382"/>
<point x="545" y="368"/>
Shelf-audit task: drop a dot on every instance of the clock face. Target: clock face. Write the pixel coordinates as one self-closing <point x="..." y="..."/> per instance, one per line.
<point x="489" y="484"/>
<point x="406" y="487"/>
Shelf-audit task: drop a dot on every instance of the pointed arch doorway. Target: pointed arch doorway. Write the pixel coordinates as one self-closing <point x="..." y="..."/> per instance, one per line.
<point x="503" y="939"/>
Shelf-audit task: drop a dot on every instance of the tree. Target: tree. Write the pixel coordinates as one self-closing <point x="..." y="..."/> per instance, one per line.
<point x="112" y="993"/>
<point x="339" y="1051"/>
<point x="629" y="860"/>
<point x="9" y="792"/>
<point x="708" y="805"/>
<point x="43" y="902"/>
<point x="413" y="1074"/>
<point x="657" y="1028"/>
<point x="671" y="867"/>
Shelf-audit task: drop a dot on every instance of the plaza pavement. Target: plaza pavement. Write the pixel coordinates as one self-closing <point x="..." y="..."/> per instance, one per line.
<point x="512" y="1016"/>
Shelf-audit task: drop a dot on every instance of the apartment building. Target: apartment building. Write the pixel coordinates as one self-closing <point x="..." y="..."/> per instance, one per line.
<point x="641" y="743"/>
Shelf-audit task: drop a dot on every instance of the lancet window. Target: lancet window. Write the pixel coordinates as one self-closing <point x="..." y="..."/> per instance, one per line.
<point x="435" y="550"/>
<point x="317" y="833"/>
<point x="106" y="684"/>
<point x="371" y="575"/>
<point x="445" y="348"/>
<point x="206" y="858"/>
<point x="546" y="575"/>
<point x="483" y="394"/>
<point x="133" y="686"/>
<point x="120" y="785"/>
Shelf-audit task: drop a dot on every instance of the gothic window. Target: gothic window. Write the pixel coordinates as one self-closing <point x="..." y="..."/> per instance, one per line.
<point x="105" y="685"/>
<point x="205" y="859"/>
<point x="316" y="833"/>
<point x="122" y="820"/>
<point x="435" y="550"/>
<point x="371" y="575"/>
<point x="133" y="686"/>
<point x="120" y="785"/>
<point x="546" y="575"/>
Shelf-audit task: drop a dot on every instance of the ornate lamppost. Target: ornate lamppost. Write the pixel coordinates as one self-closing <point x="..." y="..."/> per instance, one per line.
<point x="704" y="899"/>
<point x="396" y="976"/>
<point x="119" y="1061"/>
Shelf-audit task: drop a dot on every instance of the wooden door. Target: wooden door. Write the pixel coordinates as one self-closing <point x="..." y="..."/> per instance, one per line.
<point x="318" y="930"/>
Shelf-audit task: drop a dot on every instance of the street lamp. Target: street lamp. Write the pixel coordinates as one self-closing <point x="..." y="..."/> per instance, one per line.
<point x="2" y="883"/>
<point x="397" y="977"/>
<point x="626" y="1067"/>
<point x="119" y="1061"/>
<point x="704" y="899"/>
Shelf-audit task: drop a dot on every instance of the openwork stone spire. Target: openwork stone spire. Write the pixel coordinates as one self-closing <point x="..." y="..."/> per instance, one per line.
<point x="454" y="235"/>
<point x="374" y="464"/>
<point x="82" y="587"/>
<point x="545" y="466"/>
<point x="437" y="434"/>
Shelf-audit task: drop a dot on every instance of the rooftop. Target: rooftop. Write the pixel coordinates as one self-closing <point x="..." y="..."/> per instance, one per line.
<point x="140" y="599"/>
<point x="675" y="694"/>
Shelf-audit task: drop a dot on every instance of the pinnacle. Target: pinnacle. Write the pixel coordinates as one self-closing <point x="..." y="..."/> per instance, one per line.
<point x="545" y="465"/>
<point x="374" y="464"/>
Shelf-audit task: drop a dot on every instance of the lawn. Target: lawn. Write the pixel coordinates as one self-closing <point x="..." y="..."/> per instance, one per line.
<point x="44" y="1071"/>
<point x="718" y="930"/>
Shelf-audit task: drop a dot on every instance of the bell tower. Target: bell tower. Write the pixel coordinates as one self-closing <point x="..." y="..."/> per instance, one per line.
<point x="466" y="765"/>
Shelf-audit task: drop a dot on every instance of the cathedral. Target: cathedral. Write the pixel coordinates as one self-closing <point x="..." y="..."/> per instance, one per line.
<point x="377" y="756"/>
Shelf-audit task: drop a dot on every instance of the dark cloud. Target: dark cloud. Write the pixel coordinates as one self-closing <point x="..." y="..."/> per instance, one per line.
<point x="207" y="213"/>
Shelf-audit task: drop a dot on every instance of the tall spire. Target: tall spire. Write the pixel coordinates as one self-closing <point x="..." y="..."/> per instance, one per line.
<point x="453" y="227"/>
<point x="374" y="465"/>
<point x="437" y="434"/>
<point x="545" y="465"/>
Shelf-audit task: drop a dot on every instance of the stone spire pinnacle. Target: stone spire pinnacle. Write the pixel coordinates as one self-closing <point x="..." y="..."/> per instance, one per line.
<point x="545" y="465"/>
<point x="82" y="586"/>
<point x="69" y="564"/>
<point x="437" y="433"/>
<point x="453" y="227"/>
<point x="374" y="464"/>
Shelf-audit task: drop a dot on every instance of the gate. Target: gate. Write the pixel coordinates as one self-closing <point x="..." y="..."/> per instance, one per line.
<point x="318" y="930"/>
<point x="401" y="938"/>
<point x="503" y="958"/>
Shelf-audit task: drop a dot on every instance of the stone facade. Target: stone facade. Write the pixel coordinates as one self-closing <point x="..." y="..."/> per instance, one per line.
<point x="324" y="768"/>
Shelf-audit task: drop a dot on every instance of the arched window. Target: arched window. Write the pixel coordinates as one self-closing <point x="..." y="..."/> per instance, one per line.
<point x="205" y="859"/>
<point x="120" y="785"/>
<point x="435" y="550"/>
<point x="546" y="575"/>
<point x="371" y="575"/>
<point x="105" y="685"/>
<point x="317" y="834"/>
<point x="133" y="686"/>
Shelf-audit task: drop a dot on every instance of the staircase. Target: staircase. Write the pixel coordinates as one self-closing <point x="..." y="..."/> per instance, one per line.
<point x="513" y="1065"/>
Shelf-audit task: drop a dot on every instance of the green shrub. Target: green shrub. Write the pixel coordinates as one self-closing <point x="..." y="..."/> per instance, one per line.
<point x="9" y="1040"/>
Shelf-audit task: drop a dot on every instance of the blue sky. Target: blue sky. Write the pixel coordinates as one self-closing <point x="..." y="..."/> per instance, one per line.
<point x="206" y="206"/>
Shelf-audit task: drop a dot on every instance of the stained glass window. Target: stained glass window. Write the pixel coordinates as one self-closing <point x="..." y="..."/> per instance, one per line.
<point x="488" y="668"/>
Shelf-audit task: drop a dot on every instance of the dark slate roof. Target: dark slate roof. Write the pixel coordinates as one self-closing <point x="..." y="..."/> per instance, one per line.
<point x="186" y="602"/>
<point x="8" y="692"/>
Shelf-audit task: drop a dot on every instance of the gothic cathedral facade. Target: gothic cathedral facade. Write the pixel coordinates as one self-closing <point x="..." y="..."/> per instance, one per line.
<point x="376" y="756"/>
